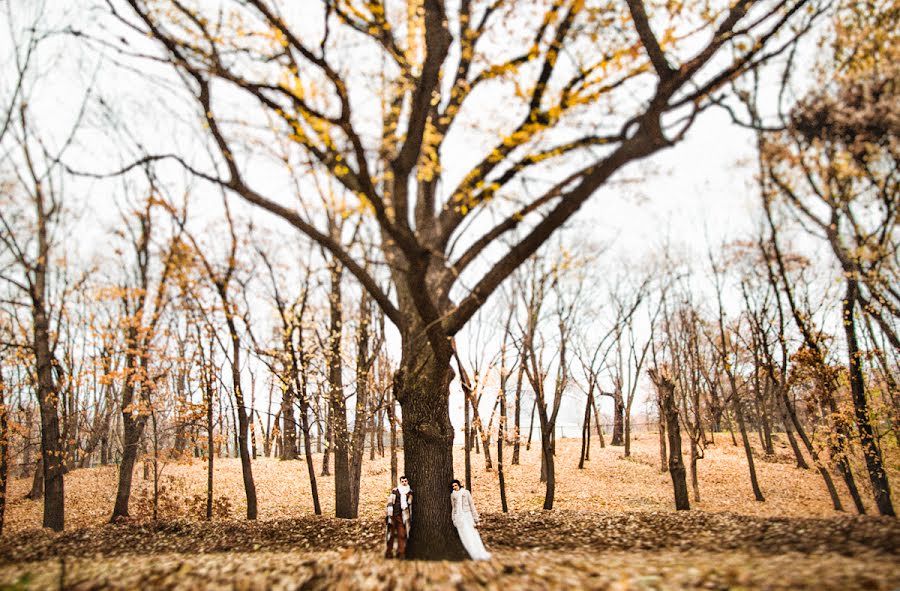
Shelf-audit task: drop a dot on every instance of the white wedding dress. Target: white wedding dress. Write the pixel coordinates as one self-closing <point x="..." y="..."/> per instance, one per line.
<point x="464" y="517"/>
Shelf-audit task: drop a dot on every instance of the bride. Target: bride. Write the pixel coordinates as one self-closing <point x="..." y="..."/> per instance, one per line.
<point x="465" y="518"/>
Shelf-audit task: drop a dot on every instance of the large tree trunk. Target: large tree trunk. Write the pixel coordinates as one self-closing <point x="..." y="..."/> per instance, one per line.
<point x="423" y="390"/>
<point x="871" y="452"/>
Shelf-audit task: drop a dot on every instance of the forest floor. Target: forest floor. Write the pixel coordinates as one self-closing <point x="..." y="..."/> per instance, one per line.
<point x="612" y="527"/>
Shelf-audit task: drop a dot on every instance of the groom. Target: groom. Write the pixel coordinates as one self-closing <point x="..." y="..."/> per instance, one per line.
<point x="399" y="518"/>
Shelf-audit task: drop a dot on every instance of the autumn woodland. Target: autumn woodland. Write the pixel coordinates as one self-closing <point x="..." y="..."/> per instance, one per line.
<point x="260" y="258"/>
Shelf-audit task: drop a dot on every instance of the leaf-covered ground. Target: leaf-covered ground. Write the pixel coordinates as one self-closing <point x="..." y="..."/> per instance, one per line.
<point x="613" y="528"/>
<point x="532" y="550"/>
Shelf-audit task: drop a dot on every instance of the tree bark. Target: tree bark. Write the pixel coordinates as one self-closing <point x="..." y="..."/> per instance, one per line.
<point x="132" y="429"/>
<point x="243" y="422"/>
<point x="618" y="418"/>
<point x="789" y="432"/>
<point x="517" y="427"/>
<point x="423" y="390"/>
<point x="37" y="482"/>
<point x="210" y="443"/>
<point x="358" y="441"/>
<point x="666" y="390"/>
<point x="288" y="432"/>
<point x="663" y="461"/>
<point x="586" y="429"/>
<point x="748" y="451"/>
<point x="48" y="398"/>
<point x="874" y="464"/>
<point x="4" y="449"/>
<point x="501" y="441"/>
<point x="823" y="471"/>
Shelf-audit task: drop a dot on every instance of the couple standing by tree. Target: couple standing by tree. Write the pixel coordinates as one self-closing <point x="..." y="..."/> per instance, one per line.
<point x="465" y="519"/>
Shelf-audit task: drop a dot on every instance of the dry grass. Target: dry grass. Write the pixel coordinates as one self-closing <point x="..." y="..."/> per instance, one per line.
<point x="609" y="482"/>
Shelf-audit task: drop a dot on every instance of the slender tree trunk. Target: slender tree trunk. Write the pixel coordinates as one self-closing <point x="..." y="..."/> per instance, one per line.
<point x="663" y="461"/>
<point x="373" y="427"/>
<point x="618" y="419"/>
<point x="326" y="455"/>
<point x="37" y="482"/>
<point x="599" y="422"/>
<point x="133" y="422"/>
<point x="392" y="425"/>
<point x="155" y="463"/>
<point x="4" y="449"/>
<point x="627" y="432"/>
<point x="48" y="398"/>
<point x="517" y="427"/>
<point x="289" y="431"/>
<point x="242" y="420"/>
<point x="823" y="471"/>
<point x="739" y="415"/>
<point x="485" y="435"/>
<point x="840" y="451"/>
<point x="381" y="430"/>
<point x="789" y="432"/>
<point x="666" y="390"/>
<point x="695" y="482"/>
<point x="132" y="429"/>
<point x="467" y="441"/>
<point x="585" y="431"/>
<point x="358" y="441"/>
<point x="27" y="459"/>
<point x="343" y="489"/>
<point x="310" y="467"/>
<point x="210" y="444"/>
<point x="267" y="442"/>
<point x="548" y="466"/>
<point x="874" y="464"/>
<point x="501" y="440"/>
<point x="531" y="426"/>
<point x="731" y="430"/>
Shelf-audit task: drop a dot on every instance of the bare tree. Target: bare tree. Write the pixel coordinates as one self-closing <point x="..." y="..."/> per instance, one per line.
<point x="428" y="83"/>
